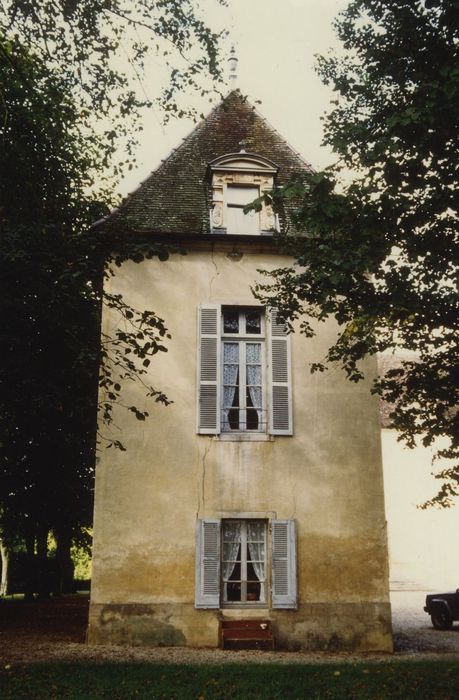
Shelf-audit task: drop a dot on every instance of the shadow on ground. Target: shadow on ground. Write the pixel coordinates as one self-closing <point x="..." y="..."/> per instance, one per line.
<point x="59" y="619"/>
<point x="56" y="630"/>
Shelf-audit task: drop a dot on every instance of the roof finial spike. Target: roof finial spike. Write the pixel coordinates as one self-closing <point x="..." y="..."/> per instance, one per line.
<point x="233" y="61"/>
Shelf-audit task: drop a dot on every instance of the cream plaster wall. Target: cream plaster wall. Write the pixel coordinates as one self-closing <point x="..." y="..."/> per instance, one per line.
<point x="327" y="476"/>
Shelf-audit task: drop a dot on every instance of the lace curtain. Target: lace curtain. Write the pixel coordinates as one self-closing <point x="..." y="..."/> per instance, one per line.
<point x="231" y="543"/>
<point x="256" y="542"/>
<point x="253" y="360"/>
<point x="230" y="376"/>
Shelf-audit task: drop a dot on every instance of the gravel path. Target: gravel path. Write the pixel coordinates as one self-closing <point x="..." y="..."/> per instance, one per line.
<point x="21" y="642"/>
<point x="413" y="631"/>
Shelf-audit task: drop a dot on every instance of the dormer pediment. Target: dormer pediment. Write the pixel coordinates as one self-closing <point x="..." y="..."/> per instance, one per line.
<point x="245" y="162"/>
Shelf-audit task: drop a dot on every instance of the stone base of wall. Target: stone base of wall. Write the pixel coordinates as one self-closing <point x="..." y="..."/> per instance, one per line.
<point x="360" y="627"/>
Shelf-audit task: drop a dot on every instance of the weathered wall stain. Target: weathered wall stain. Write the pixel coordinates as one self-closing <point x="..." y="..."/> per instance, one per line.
<point x="325" y="626"/>
<point x="327" y="476"/>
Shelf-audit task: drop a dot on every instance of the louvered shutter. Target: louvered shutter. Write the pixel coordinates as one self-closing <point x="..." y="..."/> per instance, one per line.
<point x="280" y="413"/>
<point x="284" y="589"/>
<point x="207" y="564"/>
<point x="209" y="369"/>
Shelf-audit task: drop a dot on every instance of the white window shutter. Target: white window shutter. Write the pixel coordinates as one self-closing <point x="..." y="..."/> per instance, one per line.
<point x="284" y="588"/>
<point x="207" y="593"/>
<point x="280" y="414"/>
<point x="209" y="322"/>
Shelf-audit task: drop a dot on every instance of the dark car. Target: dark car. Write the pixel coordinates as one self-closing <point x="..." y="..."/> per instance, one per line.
<point x="443" y="608"/>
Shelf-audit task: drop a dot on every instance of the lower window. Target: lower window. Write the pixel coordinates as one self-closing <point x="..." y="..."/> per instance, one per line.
<point x="231" y="563"/>
<point x="243" y="568"/>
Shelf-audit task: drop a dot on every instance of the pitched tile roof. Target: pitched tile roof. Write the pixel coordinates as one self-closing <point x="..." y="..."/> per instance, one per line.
<point x="175" y="198"/>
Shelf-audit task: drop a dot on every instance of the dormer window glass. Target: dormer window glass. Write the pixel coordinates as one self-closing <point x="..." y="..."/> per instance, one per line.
<point x="237" y="222"/>
<point x="237" y="179"/>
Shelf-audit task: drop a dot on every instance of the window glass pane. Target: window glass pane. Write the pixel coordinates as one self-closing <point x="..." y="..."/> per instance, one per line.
<point x="254" y="394"/>
<point x="253" y="353"/>
<point x="230" y="378"/>
<point x="255" y="531"/>
<point x="256" y="554"/>
<point x="231" y="547"/>
<point x="231" y="530"/>
<point x="254" y="397"/>
<point x="231" y="393"/>
<point x="253" y="322"/>
<point x="237" y="194"/>
<point x="231" y="552"/>
<point x="253" y="592"/>
<point x="253" y="386"/>
<point x="230" y="322"/>
<point x="233" y="419"/>
<point x="231" y="353"/>
<point x="238" y="222"/>
<point x="252" y="419"/>
<point x="233" y="592"/>
<point x="255" y="572"/>
<point x="254" y="375"/>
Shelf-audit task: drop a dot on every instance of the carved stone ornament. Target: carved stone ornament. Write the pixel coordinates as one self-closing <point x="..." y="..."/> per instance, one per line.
<point x="268" y="222"/>
<point x="217" y="215"/>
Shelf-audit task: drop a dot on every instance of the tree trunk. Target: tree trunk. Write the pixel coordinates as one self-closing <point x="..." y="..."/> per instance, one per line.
<point x="42" y="562"/>
<point x="65" y="567"/>
<point x="30" y="577"/>
<point x="5" y="560"/>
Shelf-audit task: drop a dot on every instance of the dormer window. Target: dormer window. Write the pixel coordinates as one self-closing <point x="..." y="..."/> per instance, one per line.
<point x="237" y="180"/>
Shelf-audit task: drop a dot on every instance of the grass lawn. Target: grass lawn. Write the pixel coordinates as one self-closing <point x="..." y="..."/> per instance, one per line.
<point x="407" y="680"/>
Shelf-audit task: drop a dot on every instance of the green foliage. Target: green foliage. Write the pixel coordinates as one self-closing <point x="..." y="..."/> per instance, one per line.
<point x="82" y="560"/>
<point x="65" y="105"/>
<point x="380" y="253"/>
<point x="51" y="268"/>
<point x="87" y="43"/>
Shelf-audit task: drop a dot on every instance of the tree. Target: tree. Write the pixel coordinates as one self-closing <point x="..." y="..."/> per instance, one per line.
<point x="51" y="269"/>
<point x="379" y="251"/>
<point x="54" y="74"/>
<point x="87" y="42"/>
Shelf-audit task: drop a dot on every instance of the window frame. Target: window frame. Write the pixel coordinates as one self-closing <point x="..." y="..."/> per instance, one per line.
<point x="243" y="338"/>
<point x="266" y="584"/>
<point x="241" y="169"/>
<point x="278" y="383"/>
<point x="281" y="574"/>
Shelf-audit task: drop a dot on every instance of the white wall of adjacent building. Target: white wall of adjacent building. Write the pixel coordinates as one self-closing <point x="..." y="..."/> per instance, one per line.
<point x="422" y="543"/>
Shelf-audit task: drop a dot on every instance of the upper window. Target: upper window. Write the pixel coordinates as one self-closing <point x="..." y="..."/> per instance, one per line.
<point x="244" y="373"/>
<point x="243" y="370"/>
<point x="238" y="179"/>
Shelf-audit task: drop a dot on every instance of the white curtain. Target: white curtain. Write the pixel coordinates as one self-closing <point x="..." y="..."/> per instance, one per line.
<point x="256" y="542"/>
<point x="231" y="543"/>
<point x="253" y="359"/>
<point x="230" y="373"/>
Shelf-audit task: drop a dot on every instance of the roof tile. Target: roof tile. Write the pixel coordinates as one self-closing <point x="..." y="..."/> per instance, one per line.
<point x="175" y="198"/>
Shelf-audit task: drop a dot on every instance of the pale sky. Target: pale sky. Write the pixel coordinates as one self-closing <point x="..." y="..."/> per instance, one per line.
<point x="275" y="42"/>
